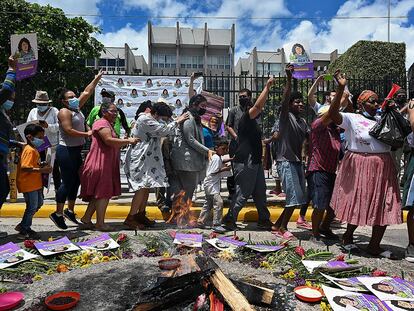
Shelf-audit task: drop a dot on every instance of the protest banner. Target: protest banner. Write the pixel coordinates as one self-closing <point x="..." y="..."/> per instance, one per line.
<point x="131" y="91"/>
<point x="24" y="48"/>
<point x="349" y="284"/>
<point x="387" y="288"/>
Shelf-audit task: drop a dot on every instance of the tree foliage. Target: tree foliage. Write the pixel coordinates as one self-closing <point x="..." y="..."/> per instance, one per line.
<point x="372" y="60"/>
<point x="64" y="43"/>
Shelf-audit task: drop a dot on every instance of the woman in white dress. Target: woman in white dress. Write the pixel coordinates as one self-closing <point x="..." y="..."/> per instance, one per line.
<point x="144" y="165"/>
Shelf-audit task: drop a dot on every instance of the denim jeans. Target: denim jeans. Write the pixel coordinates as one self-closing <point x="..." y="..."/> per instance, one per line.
<point x="34" y="201"/>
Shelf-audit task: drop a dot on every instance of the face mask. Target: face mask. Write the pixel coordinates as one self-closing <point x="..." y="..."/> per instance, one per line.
<point x="74" y="103"/>
<point x="8" y="104"/>
<point x="37" y="142"/>
<point x="106" y="100"/>
<point x="201" y="111"/>
<point x="244" y="101"/>
<point x="400" y="100"/>
<point x="42" y="108"/>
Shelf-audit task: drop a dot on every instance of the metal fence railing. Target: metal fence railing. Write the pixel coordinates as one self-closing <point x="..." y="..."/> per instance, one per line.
<point x="223" y="85"/>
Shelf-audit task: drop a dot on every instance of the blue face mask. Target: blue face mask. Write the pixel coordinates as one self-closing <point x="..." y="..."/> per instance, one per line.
<point x="74" y="103"/>
<point x="8" y="104"/>
<point x="37" y="142"/>
<point x="42" y="108"/>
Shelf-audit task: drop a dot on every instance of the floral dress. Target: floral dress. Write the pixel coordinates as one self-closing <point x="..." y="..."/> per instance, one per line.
<point x="144" y="165"/>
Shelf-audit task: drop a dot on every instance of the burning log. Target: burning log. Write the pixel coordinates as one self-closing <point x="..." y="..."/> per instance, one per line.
<point x="204" y="277"/>
<point x="181" y="212"/>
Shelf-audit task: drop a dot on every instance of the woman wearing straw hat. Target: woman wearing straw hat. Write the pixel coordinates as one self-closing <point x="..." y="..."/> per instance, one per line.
<point x="47" y="115"/>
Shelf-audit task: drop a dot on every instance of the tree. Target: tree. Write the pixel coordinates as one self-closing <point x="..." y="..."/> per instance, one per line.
<point x="64" y="43"/>
<point x="372" y="60"/>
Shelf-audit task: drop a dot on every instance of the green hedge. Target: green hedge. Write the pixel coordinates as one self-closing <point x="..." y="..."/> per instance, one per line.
<point x="372" y="60"/>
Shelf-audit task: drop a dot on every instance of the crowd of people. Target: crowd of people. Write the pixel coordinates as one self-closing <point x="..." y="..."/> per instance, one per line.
<point x="333" y="162"/>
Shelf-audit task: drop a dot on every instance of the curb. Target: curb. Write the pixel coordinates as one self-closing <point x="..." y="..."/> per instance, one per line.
<point x="117" y="211"/>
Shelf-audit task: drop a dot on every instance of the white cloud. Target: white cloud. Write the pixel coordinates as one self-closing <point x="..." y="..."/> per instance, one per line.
<point x="89" y="7"/>
<point x="134" y="38"/>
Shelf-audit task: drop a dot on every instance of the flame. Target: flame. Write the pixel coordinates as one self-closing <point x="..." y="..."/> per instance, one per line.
<point x="181" y="212"/>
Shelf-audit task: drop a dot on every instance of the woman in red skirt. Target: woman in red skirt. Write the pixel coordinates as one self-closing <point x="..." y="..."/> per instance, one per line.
<point x="366" y="189"/>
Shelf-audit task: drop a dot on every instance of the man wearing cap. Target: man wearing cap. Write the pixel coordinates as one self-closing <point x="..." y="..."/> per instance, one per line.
<point x="46" y="114"/>
<point x="95" y="114"/>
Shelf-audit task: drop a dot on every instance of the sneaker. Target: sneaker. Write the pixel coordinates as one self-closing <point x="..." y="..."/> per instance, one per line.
<point x="264" y="225"/>
<point x="59" y="221"/>
<point x="3" y="234"/>
<point x="220" y="229"/>
<point x="230" y="226"/>
<point x="303" y="224"/>
<point x="409" y="253"/>
<point x="33" y="234"/>
<point x="18" y="228"/>
<point x="329" y="235"/>
<point x="201" y="225"/>
<point x="71" y="216"/>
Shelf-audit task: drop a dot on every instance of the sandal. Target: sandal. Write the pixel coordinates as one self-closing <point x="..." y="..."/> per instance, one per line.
<point x="86" y="225"/>
<point x="351" y="247"/>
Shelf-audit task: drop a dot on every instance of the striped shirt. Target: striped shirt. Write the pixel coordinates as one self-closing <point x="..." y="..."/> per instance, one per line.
<point x="324" y="147"/>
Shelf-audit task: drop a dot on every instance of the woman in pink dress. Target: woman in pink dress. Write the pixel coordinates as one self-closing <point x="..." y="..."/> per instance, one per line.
<point x="100" y="178"/>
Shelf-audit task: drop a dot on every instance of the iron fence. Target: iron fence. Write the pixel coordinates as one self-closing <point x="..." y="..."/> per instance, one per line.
<point x="223" y="85"/>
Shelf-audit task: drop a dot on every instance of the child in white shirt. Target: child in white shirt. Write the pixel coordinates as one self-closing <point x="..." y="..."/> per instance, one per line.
<point x="213" y="206"/>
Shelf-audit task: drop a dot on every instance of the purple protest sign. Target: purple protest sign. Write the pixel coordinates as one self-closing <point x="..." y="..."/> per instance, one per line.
<point x="337" y="264"/>
<point x="190" y="240"/>
<point x="55" y="247"/>
<point x="24" y="48"/>
<point x="102" y="242"/>
<point x="231" y="241"/>
<point x="304" y="71"/>
<point x="11" y="254"/>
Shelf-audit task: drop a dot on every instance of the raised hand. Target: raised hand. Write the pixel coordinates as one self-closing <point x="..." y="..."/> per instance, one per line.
<point x="289" y="71"/>
<point x="340" y="77"/>
<point x="270" y="82"/>
<point x="12" y="62"/>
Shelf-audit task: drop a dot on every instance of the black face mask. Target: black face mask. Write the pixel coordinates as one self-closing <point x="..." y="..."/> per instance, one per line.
<point x="244" y="102"/>
<point x="400" y="100"/>
<point x="201" y="111"/>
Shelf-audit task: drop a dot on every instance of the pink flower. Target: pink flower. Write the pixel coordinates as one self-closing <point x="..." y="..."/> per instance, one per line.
<point x="300" y="251"/>
<point x="121" y="237"/>
<point x="212" y="235"/>
<point x="379" y="273"/>
<point x="340" y="257"/>
<point x="29" y="243"/>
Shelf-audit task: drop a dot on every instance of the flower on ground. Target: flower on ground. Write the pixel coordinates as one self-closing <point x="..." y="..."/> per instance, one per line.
<point x="29" y="244"/>
<point x="50" y="271"/>
<point x="61" y="268"/>
<point x="340" y="257"/>
<point x="50" y="239"/>
<point x="96" y="260"/>
<point x="166" y="255"/>
<point x="226" y="255"/>
<point x="325" y="306"/>
<point x="37" y="277"/>
<point x="121" y="237"/>
<point x="265" y="264"/>
<point x="289" y="275"/>
<point x="105" y="259"/>
<point x="300" y="251"/>
<point x="379" y="273"/>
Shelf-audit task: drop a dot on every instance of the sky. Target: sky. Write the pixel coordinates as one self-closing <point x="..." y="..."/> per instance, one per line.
<point x="265" y="24"/>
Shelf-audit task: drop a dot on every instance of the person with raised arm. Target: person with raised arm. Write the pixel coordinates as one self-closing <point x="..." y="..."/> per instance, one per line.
<point x="247" y="163"/>
<point x="366" y="191"/>
<point x="293" y="132"/>
<point x="72" y="134"/>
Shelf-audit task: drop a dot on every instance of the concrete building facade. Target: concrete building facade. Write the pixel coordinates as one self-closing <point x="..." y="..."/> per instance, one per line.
<point x="119" y="60"/>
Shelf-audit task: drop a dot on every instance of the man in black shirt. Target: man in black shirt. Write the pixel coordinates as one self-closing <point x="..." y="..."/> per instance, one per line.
<point x="247" y="164"/>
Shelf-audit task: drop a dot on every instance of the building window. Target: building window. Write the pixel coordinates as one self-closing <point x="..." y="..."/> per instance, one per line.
<point x="90" y="62"/>
<point x="218" y="62"/>
<point x="163" y="61"/>
<point x="268" y="68"/>
<point x="102" y="62"/>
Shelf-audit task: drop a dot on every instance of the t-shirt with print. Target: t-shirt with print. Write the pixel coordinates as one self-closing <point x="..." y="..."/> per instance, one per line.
<point x="357" y="136"/>
<point x="249" y="146"/>
<point x="212" y="181"/>
<point x="293" y="132"/>
<point x="29" y="181"/>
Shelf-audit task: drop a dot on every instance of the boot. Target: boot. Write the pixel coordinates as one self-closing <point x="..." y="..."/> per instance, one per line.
<point x="141" y="218"/>
<point x="132" y="223"/>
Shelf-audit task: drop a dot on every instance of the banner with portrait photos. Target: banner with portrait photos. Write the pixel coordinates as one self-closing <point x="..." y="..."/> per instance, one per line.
<point x="131" y="91"/>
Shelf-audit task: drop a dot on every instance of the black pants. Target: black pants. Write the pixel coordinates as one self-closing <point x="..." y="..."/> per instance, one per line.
<point x="4" y="182"/>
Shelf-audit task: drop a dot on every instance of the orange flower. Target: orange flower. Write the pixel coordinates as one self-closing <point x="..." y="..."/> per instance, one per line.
<point x="62" y="268"/>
